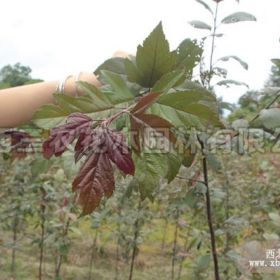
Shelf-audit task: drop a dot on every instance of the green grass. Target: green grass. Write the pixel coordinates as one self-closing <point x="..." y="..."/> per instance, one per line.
<point x="152" y="263"/>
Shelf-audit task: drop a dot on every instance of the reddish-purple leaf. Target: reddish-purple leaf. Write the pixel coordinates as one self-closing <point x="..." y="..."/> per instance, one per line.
<point x="21" y="143"/>
<point x="136" y="132"/>
<point x="100" y="146"/>
<point x="143" y="121"/>
<point x="96" y="177"/>
<point x="84" y="145"/>
<point x="119" y="152"/>
<point x="95" y="180"/>
<point x="61" y="137"/>
<point x="145" y="102"/>
<point x="159" y="125"/>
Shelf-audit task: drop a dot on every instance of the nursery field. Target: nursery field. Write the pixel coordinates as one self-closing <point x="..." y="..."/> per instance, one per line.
<point x="171" y="238"/>
<point x="143" y="169"/>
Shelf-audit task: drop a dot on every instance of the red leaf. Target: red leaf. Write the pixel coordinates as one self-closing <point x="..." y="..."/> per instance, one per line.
<point x="101" y="146"/>
<point x="62" y="136"/>
<point x="136" y="132"/>
<point x="140" y="122"/>
<point x="119" y="152"/>
<point x="158" y="124"/>
<point x="21" y="143"/>
<point x="145" y="102"/>
<point x="84" y="145"/>
<point x="95" y="180"/>
<point x="96" y="177"/>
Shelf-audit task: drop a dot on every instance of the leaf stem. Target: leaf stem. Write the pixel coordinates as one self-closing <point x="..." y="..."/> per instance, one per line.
<point x="136" y="235"/>
<point x="213" y="45"/>
<point x="190" y="179"/>
<point x="254" y="118"/>
<point x="114" y="117"/>
<point x="267" y="106"/>
<point x="209" y="214"/>
<point x="43" y="231"/>
<point x="175" y="241"/>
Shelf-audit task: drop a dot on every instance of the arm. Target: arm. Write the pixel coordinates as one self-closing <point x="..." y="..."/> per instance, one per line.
<point x="18" y="104"/>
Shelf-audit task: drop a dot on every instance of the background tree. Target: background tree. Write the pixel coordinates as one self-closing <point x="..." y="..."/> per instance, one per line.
<point x="16" y="75"/>
<point x="274" y="78"/>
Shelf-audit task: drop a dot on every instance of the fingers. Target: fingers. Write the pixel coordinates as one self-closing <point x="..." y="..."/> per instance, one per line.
<point x="122" y="54"/>
<point x="71" y="86"/>
<point x="89" y="78"/>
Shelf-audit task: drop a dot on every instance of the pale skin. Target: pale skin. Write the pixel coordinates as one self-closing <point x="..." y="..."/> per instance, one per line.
<point x="18" y="104"/>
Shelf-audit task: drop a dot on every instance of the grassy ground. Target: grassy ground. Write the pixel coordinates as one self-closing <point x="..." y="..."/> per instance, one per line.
<point x="152" y="263"/>
<point x="254" y="194"/>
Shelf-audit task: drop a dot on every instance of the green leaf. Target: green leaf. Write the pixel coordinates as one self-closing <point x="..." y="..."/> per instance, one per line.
<point x="115" y="64"/>
<point x="132" y="72"/>
<point x="242" y="63"/>
<point x="222" y="72"/>
<point x="191" y="198"/>
<point x="205" y="5"/>
<point x="40" y="166"/>
<point x="94" y="95"/>
<point x="190" y="102"/>
<point x="153" y="60"/>
<point x="203" y="262"/>
<point x="271" y="236"/>
<point x="217" y="35"/>
<point x="191" y="108"/>
<point x="270" y="118"/>
<point x="213" y="162"/>
<point x="168" y="81"/>
<point x="237" y="17"/>
<point x="275" y="218"/>
<point x="176" y="117"/>
<point x="120" y="88"/>
<point x="240" y="124"/>
<point x="48" y="116"/>
<point x="276" y="61"/>
<point x="188" y="157"/>
<point x="200" y="188"/>
<point x="200" y="24"/>
<point x="150" y="168"/>
<point x="188" y="55"/>
<point x="180" y="99"/>
<point x="227" y="106"/>
<point x="174" y="163"/>
<point x="227" y="83"/>
<point x="94" y="100"/>
<point x="51" y="115"/>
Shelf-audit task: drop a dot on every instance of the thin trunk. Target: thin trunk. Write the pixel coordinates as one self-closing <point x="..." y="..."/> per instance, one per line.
<point x="136" y="234"/>
<point x="43" y="221"/>
<point x="60" y="257"/>
<point x="164" y="234"/>
<point x="185" y="249"/>
<point x="117" y="262"/>
<point x="93" y="251"/>
<point x="227" y="214"/>
<point x="117" y="255"/>
<point x="15" y="232"/>
<point x="209" y="215"/>
<point x="174" y="250"/>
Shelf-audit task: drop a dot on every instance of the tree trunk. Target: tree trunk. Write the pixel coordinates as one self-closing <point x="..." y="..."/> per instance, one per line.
<point x="174" y="250"/>
<point x="43" y="220"/>
<point x="136" y="234"/>
<point x="15" y="232"/>
<point x="60" y="257"/>
<point x="93" y="251"/>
